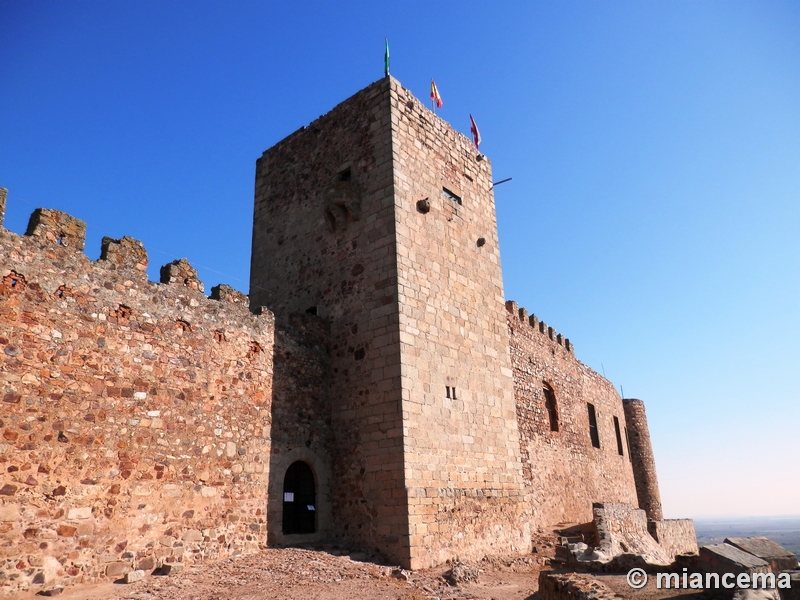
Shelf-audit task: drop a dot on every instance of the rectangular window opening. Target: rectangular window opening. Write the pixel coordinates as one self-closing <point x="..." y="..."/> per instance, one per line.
<point x="454" y="197"/>
<point x="619" y="437"/>
<point x="550" y="405"/>
<point x="593" y="433"/>
<point x="447" y="387"/>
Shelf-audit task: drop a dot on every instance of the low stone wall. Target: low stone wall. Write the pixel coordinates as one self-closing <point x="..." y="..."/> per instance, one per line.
<point x="573" y="586"/>
<point x="675" y="536"/>
<point x="622" y="529"/>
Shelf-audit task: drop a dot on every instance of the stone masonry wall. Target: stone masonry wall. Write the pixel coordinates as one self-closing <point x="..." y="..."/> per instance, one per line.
<point x="565" y="472"/>
<point x="323" y="242"/>
<point x="136" y="416"/>
<point x="621" y="528"/>
<point x="301" y="417"/>
<point x="675" y="536"/>
<point x="463" y="472"/>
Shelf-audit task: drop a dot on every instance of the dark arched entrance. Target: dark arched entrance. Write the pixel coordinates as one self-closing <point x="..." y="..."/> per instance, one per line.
<point x="299" y="500"/>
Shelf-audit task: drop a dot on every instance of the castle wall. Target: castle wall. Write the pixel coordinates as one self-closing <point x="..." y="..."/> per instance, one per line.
<point x="323" y="237"/>
<point x="564" y="470"/>
<point x="135" y="416"/>
<point x="463" y="471"/>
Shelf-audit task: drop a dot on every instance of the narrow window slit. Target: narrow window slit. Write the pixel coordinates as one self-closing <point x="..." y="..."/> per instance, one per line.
<point x="619" y="437"/>
<point x="593" y="432"/>
<point x="550" y="405"/>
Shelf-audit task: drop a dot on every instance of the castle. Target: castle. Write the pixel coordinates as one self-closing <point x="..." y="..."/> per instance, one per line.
<point x="375" y="390"/>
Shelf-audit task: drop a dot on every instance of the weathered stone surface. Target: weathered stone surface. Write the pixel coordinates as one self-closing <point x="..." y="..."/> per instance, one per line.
<point x="115" y="405"/>
<point x="117" y="569"/>
<point x="461" y="574"/>
<point x="56" y="227"/>
<point x="9" y="512"/>
<point x="573" y="586"/>
<point x="756" y="595"/>
<point x="80" y="512"/>
<point x="778" y="557"/>
<point x="724" y="558"/>
<point x="171" y="568"/>
<point x="180" y="272"/>
<point x="134" y="576"/>
<point x="675" y="536"/>
<point x="622" y="538"/>
<point x="124" y="254"/>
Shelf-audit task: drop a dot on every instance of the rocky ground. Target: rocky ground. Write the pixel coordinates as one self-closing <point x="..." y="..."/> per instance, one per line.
<point x="299" y="574"/>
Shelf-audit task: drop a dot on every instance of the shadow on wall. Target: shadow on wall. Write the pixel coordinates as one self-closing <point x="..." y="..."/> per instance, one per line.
<point x="299" y="498"/>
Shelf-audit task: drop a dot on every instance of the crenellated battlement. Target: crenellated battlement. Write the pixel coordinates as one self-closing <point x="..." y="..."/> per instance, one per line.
<point x="125" y="255"/>
<point x="543" y="328"/>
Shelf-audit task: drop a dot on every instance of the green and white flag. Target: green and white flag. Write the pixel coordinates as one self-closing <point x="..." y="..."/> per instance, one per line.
<point x="386" y="59"/>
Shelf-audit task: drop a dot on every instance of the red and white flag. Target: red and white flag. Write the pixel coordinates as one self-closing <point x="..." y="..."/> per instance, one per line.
<point x="476" y="135"/>
<point x="435" y="97"/>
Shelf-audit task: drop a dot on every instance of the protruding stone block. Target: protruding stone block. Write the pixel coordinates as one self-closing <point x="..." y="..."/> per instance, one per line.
<point x="180" y="272"/>
<point x="117" y="569"/>
<point x="171" y="568"/>
<point x="58" y="228"/>
<point x="125" y="253"/>
<point x="228" y="294"/>
<point x="134" y="576"/>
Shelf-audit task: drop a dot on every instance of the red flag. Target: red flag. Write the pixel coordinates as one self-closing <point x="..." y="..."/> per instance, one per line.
<point x="435" y="97"/>
<point x="476" y="135"/>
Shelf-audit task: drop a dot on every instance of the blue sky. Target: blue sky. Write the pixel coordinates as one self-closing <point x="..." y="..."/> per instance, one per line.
<point x="652" y="218"/>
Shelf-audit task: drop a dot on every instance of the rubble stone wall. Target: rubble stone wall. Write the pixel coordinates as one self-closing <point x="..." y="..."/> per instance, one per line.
<point x="565" y="473"/>
<point x="136" y="416"/>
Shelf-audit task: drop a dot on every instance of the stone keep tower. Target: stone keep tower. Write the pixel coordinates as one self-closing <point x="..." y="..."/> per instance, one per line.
<point x="380" y="218"/>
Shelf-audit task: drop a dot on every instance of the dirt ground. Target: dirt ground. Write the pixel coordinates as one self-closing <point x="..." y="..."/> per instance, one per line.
<point x="298" y="574"/>
<point x="332" y="574"/>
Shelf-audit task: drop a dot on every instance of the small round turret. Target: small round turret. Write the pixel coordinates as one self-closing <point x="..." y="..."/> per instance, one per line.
<point x="642" y="459"/>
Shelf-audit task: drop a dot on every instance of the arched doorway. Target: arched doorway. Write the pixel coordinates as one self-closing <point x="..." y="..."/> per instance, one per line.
<point x="299" y="499"/>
